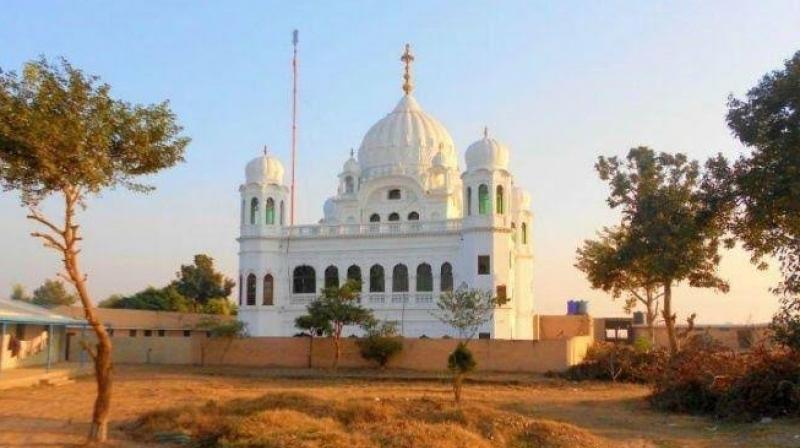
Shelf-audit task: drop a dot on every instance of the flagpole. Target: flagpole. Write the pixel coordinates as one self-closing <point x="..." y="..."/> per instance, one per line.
<point x="294" y="120"/>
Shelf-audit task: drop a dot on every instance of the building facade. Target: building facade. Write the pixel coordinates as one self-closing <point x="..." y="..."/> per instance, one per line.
<point x="406" y="221"/>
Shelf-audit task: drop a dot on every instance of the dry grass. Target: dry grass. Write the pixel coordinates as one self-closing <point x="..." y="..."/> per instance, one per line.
<point x="285" y="420"/>
<point x="312" y="411"/>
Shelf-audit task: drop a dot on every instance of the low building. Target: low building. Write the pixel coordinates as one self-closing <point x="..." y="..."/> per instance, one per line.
<point x="33" y="336"/>
<point x="145" y="323"/>
<point x="141" y="336"/>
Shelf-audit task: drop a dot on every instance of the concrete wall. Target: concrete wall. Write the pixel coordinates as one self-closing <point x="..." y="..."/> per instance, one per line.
<point x="735" y="337"/>
<point x="417" y="354"/>
<point x="33" y="346"/>
<point x="563" y="326"/>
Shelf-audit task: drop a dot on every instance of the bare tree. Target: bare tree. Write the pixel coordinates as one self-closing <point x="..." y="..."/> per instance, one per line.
<point x="62" y="135"/>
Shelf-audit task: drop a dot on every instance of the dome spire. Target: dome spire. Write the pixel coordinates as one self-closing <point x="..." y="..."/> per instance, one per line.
<point x="486" y="132"/>
<point x="407" y="58"/>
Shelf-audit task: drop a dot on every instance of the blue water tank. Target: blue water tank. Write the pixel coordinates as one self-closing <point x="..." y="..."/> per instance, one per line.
<point x="572" y="307"/>
<point x="582" y="307"/>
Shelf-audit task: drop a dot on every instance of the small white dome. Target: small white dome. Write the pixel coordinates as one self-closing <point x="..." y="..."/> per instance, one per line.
<point x="351" y="166"/>
<point x="522" y="199"/>
<point x="439" y="160"/>
<point x="264" y="169"/>
<point x="487" y="153"/>
<point x="406" y="137"/>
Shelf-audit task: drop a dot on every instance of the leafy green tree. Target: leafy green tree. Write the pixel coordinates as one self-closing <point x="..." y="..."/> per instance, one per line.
<point x="153" y="299"/>
<point x="466" y="310"/>
<point x="335" y="309"/>
<point x="52" y="293"/>
<point x="766" y="184"/>
<point x="200" y="282"/>
<point x="674" y="218"/>
<point x="62" y="134"/>
<point x="605" y="268"/>
<point x="381" y="342"/>
<point x="220" y="306"/>
<point x="18" y="293"/>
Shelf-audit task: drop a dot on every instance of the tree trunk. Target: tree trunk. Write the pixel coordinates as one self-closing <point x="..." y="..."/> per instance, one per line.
<point x="669" y="319"/>
<point x="651" y="321"/>
<point x="101" y="356"/>
<point x="458" y="379"/>
<point x="337" y="350"/>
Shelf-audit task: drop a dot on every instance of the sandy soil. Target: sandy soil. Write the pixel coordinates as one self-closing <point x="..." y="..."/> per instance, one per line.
<point x="58" y="416"/>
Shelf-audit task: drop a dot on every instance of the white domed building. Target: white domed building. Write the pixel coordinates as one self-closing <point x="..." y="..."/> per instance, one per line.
<point x="405" y="221"/>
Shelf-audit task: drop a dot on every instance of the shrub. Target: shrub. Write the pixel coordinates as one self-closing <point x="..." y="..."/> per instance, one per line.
<point x="618" y="362"/>
<point x="769" y="388"/>
<point x="381" y="343"/>
<point x="702" y="380"/>
<point x="380" y="349"/>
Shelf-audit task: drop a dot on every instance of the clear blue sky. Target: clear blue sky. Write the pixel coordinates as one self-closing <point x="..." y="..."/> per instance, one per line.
<point x="559" y="82"/>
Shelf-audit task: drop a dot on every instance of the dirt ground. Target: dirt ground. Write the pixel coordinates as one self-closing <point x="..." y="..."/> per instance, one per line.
<point x="58" y="416"/>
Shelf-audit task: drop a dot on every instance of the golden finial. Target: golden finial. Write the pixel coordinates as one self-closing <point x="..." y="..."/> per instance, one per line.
<point x="407" y="59"/>
<point x="486" y="132"/>
<point x="265" y="150"/>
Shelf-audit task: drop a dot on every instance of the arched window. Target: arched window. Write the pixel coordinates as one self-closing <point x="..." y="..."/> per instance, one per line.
<point x="251" y="289"/>
<point x="524" y="233"/>
<point x="484" y="202"/>
<point x="413" y="216"/>
<point x="269" y="290"/>
<point x="400" y="278"/>
<point x="349" y="185"/>
<point x="354" y="273"/>
<point x="376" y="279"/>
<point x="446" y="277"/>
<point x="241" y="218"/>
<point x="269" y="216"/>
<point x="499" y="200"/>
<point x="283" y="212"/>
<point x="253" y="210"/>
<point x="331" y="277"/>
<point x="513" y="232"/>
<point x="394" y="217"/>
<point x="469" y="201"/>
<point x="241" y="288"/>
<point x="375" y="217"/>
<point x="394" y="194"/>
<point x="424" y="278"/>
<point x="305" y="280"/>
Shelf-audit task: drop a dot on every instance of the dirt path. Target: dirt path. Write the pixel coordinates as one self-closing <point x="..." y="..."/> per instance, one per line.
<point x="58" y="416"/>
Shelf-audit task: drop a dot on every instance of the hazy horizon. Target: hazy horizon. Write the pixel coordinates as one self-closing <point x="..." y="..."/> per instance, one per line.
<point x="559" y="83"/>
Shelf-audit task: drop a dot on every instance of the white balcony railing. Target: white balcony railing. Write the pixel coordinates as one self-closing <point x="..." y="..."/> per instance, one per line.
<point x="424" y="298"/>
<point x="302" y="299"/>
<point x="376" y="298"/>
<point x="399" y="297"/>
<point x="345" y="230"/>
<point x="383" y="300"/>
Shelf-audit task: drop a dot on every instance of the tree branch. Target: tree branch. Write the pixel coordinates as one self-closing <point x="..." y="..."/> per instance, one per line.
<point x="50" y="241"/>
<point x="38" y="217"/>
<point x="89" y="350"/>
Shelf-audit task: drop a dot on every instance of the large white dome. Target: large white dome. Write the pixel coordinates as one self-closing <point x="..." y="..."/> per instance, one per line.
<point x="487" y="153"/>
<point x="406" y="140"/>
<point x="264" y="169"/>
